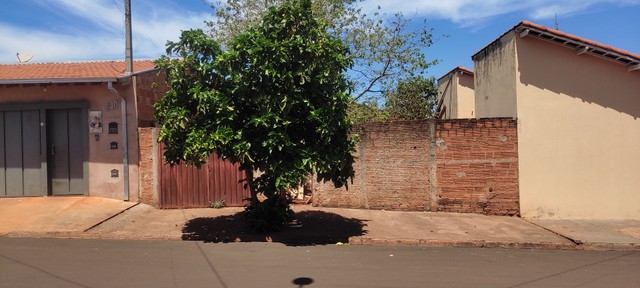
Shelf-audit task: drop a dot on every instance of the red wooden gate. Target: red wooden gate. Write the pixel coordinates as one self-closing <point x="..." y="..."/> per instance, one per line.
<point x="183" y="186"/>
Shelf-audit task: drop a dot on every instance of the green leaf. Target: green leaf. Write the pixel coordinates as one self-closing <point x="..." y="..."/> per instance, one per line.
<point x="276" y="100"/>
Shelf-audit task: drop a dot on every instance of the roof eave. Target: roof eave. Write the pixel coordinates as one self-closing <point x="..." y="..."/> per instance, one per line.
<point x="458" y="69"/>
<point x="465" y="70"/>
<point x="579" y="45"/>
<point x="583" y="45"/>
<point x="57" y="80"/>
<point x="140" y="72"/>
<point x="72" y="80"/>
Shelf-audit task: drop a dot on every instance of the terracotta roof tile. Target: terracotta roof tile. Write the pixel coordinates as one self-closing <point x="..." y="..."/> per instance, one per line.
<point x="582" y="41"/>
<point x="465" y="70"/>
<point x="458" y="69"/>
<point x="71" y="70"/>
<point x="579" y="39"/>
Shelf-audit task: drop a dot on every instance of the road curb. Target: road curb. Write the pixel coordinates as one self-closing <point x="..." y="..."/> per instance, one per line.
<point x="600" y="246"/>
<point x="368" y="241"/>
<point x="87" y="235"/>
<point x="358" y="241"/>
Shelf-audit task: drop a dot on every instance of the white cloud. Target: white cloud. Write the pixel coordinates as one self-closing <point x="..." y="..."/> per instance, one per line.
<point x="103" y="13"/>
<point x="470" y="12"/>
<point x="151" y="35"/>
<point x="48" y="46"/>
<point x="94" y="30"/>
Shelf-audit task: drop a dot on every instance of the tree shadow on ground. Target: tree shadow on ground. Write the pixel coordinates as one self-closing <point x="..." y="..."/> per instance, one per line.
<point x="318" y="228"/>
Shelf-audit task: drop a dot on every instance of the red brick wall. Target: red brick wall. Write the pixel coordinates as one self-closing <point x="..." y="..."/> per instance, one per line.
<point x="151" y="87"/>
<point x="391" y="170"/>
<point x="464" y="165"/>
<point x="148" y="167"/>
<point x="477" y="166"/>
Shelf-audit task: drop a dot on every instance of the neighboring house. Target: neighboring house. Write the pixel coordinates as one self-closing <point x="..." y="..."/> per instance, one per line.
<point x="577" y="103"/>
<point x="456" y="99"/>
<point x="63" y="129"/>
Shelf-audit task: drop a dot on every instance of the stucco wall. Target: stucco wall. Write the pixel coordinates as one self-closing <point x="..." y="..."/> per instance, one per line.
<point x="579" y="134"/>
<point x="456" y="94"/>
<point x="446" y="95"/>
<point x="101" y="159"/>
<point x="466" y="104"/>
<point x="495" y="79"/>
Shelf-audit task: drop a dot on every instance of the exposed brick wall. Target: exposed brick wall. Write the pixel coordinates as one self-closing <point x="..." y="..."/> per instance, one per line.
<point x="151" y="87"/>
<point x="477" y="166"/>
<point x="462" y="165"/>
<point x="391" y="170"/>
<point x="148" y="166"/>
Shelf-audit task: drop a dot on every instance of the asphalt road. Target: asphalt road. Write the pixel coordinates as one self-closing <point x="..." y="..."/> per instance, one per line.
<point x="101" y="263"/>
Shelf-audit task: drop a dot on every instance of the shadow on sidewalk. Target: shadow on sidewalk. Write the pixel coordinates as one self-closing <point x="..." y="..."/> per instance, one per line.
<point x="318" y="228"/>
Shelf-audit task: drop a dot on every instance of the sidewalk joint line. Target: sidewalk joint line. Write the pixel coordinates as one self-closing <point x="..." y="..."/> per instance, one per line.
<point x="574" y="241"/>
<point x="105" y="220"/>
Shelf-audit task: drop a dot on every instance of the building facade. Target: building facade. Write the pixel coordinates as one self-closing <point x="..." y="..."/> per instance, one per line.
<point x="456" y="99"/>
<point x="577" y="103"/>
<point x="71" y="128"/>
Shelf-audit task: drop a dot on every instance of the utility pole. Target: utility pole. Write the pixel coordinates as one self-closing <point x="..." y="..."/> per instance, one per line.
<point x="128" y="55"/>
<point x="128" y="52"/>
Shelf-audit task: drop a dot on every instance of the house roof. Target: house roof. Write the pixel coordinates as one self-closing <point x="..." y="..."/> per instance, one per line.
<point x="96" y="71"/>
<point x="581" y="45"/>
<point x="458" y="69"/>
<point x="464" y="70"/>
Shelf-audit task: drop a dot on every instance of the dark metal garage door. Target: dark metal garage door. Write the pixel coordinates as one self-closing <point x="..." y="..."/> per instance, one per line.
<point x="35" y="161"/>
<point x="20" y="161"/>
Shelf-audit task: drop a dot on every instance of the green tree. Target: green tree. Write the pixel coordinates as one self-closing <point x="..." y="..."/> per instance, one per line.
<point x="367" y="111"/>
<point x="274" y="101"/>
<point x="414" y="98"/>
<point x="384" y="48"/>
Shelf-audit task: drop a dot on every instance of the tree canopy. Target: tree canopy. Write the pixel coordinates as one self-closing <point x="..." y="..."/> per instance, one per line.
<point x="275" y="100"/>
<point x="414" y="98"/>
<point x="384" y="48"/>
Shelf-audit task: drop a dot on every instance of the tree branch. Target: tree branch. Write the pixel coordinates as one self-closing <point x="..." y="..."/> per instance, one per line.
<point x="373" y="82"/>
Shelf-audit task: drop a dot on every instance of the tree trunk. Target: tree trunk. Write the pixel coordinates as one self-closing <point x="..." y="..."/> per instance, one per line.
<point x="248" y="170"/>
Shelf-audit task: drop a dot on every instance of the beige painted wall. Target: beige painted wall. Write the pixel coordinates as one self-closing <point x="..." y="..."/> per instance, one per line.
<point x="101" y="159"/>
<point x="456" y="92"/>
<point x="466" y="104"/>
<point x="579" y="134"/>
<point x="495" y="79"/>
<point x="446" y="94"/>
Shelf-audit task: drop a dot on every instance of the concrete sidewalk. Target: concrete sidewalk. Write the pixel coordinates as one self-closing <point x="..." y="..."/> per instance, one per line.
<point x="89" y="217"/>
<point x="597" y="234"/>
<point x="25" y="216"/>
<point x="332" y="225"/>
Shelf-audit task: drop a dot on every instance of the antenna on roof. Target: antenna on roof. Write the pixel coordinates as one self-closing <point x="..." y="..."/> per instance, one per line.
<point x="24" y="57"/>
<point x="556" y="20"/>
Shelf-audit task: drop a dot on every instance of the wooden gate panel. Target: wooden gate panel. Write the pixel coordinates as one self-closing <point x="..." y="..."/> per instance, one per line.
<point x="184" y="186"/>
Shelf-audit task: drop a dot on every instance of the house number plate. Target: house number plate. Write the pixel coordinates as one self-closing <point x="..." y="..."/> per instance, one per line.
<point x="111" y="106"/>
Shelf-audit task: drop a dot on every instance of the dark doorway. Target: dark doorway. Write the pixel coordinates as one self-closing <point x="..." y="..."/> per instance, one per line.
<point x="65" y="152"/>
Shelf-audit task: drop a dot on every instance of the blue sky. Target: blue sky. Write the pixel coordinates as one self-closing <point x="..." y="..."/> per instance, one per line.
<point x="78" y="30"/>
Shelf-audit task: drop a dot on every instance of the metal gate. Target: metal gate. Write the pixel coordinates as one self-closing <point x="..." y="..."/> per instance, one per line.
<point x="43" y="149"/>
<point x="183" y="186"/>
<point x="20" y="154"/>
<point x="64" y="152"/>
